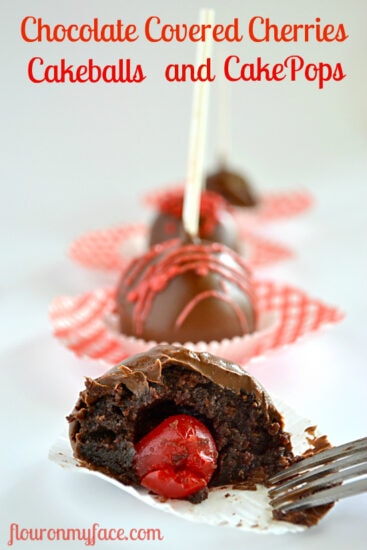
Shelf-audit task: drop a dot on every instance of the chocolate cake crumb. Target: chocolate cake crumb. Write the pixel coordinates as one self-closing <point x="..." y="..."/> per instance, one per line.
<point x="116" y="410"/>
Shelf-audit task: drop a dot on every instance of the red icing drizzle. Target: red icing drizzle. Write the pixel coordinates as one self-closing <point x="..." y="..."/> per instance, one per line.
<point x="151" y="273"/>
<point x="210" y="207"/>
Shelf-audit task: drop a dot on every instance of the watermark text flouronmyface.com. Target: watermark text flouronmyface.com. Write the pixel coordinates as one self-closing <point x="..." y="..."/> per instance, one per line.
<point x="89" y="535"/>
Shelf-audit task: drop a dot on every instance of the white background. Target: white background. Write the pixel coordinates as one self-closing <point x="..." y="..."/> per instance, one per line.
<point x="78" y="157"/>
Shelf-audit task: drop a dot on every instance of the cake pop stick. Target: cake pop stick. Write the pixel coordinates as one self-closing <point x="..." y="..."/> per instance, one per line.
<point x="194" y="183"/>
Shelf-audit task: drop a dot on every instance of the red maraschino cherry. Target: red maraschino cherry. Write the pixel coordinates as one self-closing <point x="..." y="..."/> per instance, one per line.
<point x="177" y="458"/>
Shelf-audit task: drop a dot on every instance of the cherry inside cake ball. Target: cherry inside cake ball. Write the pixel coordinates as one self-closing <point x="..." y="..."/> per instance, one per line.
<point x="186" y="292"/>
<point x="233" y="187"/>
<point x="216" y="223"/>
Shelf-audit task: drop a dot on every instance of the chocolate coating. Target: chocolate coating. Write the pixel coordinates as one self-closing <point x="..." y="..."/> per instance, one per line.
<point x="137" y="371"/>
<point x="233" y="187"/>
<point x="186" y="292"/>
<point x="216" y="223"/>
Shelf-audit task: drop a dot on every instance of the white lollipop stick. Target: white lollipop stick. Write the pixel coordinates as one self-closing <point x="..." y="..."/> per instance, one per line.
<point x="194" y="182"/>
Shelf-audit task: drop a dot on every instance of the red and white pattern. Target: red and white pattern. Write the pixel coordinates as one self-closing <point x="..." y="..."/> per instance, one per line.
<point x="109" y="249"/>
<point x="260" y="251"/>
<point x="80" y="323"/>
<point x="271" y="207"/>
<point x="275" y="207"/>
<point x="112" y="249"/>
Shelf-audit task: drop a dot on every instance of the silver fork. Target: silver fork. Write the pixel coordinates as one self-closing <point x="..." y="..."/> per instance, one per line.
<point x="326" y="477"/>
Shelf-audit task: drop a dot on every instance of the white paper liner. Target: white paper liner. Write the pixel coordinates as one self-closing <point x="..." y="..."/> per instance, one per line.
<point x="237" y="508"/>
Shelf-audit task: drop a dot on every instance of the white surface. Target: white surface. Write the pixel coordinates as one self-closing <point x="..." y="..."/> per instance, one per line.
<point x="75" y="157"/>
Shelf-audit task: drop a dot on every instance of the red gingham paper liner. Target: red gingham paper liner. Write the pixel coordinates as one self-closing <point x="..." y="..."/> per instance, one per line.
<point x="271" y="207"/>
<point x="109" y="249"/>
<point x="112" y="249"/>
<point x="275" y="207"/>
<point x="285" y="313"/>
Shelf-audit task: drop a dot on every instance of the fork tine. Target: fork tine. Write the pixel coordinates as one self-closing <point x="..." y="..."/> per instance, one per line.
<point x="318" y="484"/>
<point x="322" y="475"/>
<point x="321" y="458"/>
<point x="319" y="472"/>
<point x="325" y="496"/>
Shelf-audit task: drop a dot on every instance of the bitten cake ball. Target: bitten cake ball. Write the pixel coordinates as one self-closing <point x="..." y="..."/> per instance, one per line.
<point x="178" y="422"/>
<point x="233" y="187"/>
<point x="216" y="223"/>
<point x="186" y="292"/>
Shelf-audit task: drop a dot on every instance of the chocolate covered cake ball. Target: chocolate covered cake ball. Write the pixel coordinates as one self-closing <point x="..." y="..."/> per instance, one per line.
<point x="233" y="187"/>
<point x="155" y="410"/>
<point x="186" y="292"/>
<point x="216" y="223"/>
<point x="179" y="422"/>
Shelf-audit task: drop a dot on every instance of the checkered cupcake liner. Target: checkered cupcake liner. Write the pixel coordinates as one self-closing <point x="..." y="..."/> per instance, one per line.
<point x="87" y="325"/>
<point x="112" y="249"/>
